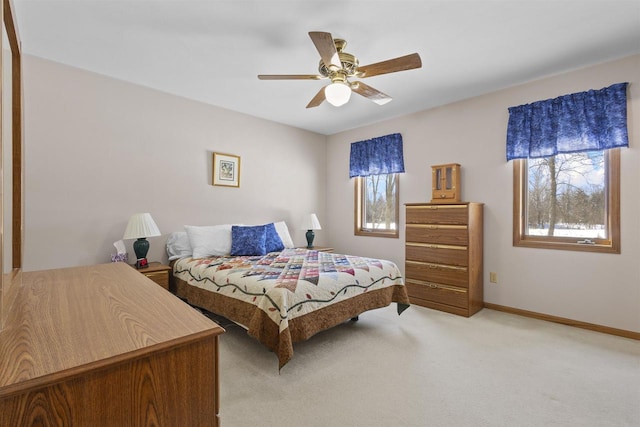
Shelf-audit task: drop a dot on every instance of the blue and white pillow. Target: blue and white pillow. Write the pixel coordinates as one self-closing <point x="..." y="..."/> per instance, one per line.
<point x="273" y="242"/>
<point x="248" y="240"/>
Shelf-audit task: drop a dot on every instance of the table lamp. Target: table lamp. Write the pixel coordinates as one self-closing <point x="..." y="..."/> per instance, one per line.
<point x="310" y="222"/>
<point x="141" y="226"/>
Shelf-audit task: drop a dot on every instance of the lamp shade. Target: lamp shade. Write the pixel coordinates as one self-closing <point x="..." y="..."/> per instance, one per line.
<point x="337" y="94"/>
<point x="310" y="222"/>
<point x="141" y="225"/>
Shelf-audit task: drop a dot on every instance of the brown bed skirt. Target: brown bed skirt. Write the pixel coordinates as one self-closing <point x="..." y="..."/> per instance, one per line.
<point x="261" y="327"/>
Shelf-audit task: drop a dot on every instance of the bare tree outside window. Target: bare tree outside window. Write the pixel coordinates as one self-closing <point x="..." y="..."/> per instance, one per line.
<point x="379" y="202"/>
<point x="566" y="195"/>
<point x="568" y="201"/>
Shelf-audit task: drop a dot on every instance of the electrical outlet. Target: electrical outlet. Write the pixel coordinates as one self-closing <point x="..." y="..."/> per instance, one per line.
<point x="493" y="277"/>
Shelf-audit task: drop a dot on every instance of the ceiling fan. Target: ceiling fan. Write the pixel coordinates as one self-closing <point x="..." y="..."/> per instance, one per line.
<point x="340" y="66"/>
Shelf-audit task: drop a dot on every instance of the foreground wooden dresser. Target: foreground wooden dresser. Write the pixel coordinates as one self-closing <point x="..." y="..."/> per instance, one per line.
<point x="105" y="346"/>
<point x="443" y="260"/>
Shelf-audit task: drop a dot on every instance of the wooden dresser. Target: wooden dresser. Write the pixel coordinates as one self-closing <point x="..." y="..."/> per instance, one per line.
<point x="443" y="260"/>
<point x="105" y="346"/>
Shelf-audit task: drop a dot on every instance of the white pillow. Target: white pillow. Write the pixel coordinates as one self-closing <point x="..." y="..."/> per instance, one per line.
<point x="178" y="245"/>
<point x="206" y="241"/>
<point x="283" y="232"/>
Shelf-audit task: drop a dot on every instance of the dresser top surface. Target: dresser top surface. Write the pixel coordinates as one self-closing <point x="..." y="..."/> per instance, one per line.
<point x="74" y="319"/>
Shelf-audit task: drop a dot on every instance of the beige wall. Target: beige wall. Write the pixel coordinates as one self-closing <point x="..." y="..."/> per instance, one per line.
<point x="99" y="149"/>
<point x="597" y="288"/>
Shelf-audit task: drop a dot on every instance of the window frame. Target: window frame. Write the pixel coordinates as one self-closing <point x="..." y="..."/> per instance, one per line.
<point x="612" y="213"/>
<point x="359" y="203"/>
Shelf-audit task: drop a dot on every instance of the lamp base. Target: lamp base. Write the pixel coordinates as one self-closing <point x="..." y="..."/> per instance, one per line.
<point x="141" y="247"/>
<point x="310" y="235"/>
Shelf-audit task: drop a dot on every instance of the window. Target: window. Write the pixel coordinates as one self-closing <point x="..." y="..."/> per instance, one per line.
<point x="566" y="192"/>
<point x="376" y="164"/>
<point x="568" y="201"/>
<point x="377" y="206"/>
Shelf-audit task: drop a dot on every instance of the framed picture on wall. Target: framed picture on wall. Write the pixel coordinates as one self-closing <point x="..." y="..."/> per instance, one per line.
<point x="226" y="170"/>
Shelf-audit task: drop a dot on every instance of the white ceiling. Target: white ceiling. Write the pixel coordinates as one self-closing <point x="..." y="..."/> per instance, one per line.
<point x="212" y="51"/>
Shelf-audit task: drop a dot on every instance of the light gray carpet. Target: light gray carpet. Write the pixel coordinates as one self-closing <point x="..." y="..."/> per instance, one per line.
<point x="428" y="368"/>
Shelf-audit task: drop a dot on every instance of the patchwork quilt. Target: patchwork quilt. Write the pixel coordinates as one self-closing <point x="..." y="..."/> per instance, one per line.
<point x="294" y="284"/>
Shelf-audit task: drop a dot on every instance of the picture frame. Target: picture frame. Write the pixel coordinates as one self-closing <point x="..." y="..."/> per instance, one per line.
<point x="226" y="170"/>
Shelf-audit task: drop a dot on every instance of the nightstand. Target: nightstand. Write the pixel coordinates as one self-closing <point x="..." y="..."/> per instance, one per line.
<point x="318" y="248"/>
<point x="157" y="272"/>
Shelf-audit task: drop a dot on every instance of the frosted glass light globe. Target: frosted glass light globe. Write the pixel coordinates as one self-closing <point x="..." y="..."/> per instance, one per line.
<point x="337" y="94"/>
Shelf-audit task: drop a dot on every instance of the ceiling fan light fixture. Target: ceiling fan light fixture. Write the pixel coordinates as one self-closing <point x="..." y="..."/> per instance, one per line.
<point x="337" y="93"/>
<point x="339" y="66"/>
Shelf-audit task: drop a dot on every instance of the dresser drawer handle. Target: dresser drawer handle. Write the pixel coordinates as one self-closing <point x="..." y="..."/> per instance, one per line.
<point x="436" y="246"/>
<point x="437" y="286"/>
<point x="158" y="274"/>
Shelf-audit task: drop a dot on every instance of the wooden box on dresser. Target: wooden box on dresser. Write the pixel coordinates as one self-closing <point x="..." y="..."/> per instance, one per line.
<point x="105" y="346"/>
<point x="443" y="260"/>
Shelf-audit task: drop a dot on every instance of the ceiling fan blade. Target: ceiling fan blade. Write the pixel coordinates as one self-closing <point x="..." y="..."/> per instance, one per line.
<point x="368" y="92"/>
<point x="408" y="62"/>
<point x="317" y="100"/>
<point x="290" y="77"/>
<point x="326" y="48"/>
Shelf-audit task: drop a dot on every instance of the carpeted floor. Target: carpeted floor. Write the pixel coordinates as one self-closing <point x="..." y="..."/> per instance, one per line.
<point x="428" y="368"/>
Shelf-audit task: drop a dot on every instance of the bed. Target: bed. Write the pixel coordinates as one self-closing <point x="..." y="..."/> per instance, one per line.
<point x="284" y="296"/>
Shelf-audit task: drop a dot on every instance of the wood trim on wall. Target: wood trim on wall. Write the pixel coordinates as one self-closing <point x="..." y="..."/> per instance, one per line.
<point x="17" y="165"/>
<point x="564" y="321"/>
<point x="9" y="283"/>
<point x="16" y="129"/>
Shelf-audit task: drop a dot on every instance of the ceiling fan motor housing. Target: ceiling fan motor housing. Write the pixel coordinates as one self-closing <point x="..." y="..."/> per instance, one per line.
<point x="349" y="62"/>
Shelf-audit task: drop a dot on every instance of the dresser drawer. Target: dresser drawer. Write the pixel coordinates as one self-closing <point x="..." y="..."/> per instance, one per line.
<point x="437" y="214"/>
<point x="438" y="254"/>
<point x="439" y="234"/>
<point x="438" y="292"/>
<point x="428" y="272"/>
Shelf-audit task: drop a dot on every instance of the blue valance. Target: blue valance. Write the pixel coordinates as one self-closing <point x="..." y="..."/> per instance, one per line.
<point x="377" y="156"/>
<point x="584" y="121"/>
